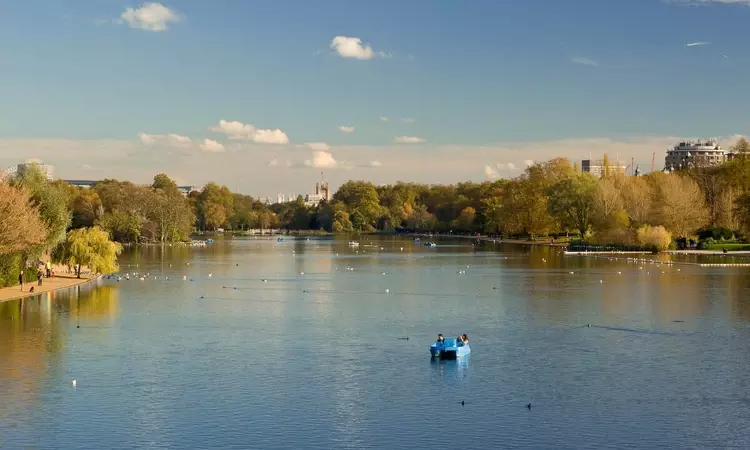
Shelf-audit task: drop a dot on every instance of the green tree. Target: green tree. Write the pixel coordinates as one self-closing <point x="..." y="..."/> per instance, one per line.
<point x="572" y="201"/>
<point x="86" y="208"/>
<point x="89" y="247"/>
<point x="214" y="206"/>
<point x="362" y="201"/>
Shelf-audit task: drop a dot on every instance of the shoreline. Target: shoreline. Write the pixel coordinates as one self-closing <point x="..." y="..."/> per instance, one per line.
<point x="53" y="284"/>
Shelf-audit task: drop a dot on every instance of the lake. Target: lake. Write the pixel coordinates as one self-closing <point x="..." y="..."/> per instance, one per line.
<point x="609" y="353"/>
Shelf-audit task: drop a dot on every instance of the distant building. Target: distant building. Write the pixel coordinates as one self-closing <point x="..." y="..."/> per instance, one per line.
<point x="322" y="193"/>
<point x="597" y="169"/>
<point x="280" y="199"/>
<point x="49" y="171"/>
<point x="689" y="154"/>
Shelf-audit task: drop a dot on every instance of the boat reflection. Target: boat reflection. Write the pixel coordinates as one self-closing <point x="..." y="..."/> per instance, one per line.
<point x="451" y="370"/>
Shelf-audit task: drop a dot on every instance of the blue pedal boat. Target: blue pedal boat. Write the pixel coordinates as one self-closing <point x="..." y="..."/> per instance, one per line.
<point x="449" y="349"/>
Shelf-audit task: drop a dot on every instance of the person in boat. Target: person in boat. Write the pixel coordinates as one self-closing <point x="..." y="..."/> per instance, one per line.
<point x="440" y="339"/>
<point x="465" y="338"/>
<point x="459" y="340"/>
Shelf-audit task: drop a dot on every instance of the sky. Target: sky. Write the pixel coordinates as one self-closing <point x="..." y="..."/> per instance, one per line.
<point x="264" y="95"/>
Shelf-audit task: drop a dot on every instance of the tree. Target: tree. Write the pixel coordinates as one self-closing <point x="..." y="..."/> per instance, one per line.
<point x="636" y="197"/>
<point x="89" y="247"/>
<point x="86" y="208"/>
<point x="608" y="204"/>
<point x="21" y="226"/>
<point x="572" y="201"/>
<point x="214" y="206"/>
<point x="679" y="204"/>
<point x="52" y="200"/>
<point x="606" y="164"/>
<point x="362" y="201"/>
<point x="465" y="220"/>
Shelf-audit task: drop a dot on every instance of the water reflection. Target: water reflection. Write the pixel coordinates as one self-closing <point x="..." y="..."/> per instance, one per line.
<point x="33" y="337"/>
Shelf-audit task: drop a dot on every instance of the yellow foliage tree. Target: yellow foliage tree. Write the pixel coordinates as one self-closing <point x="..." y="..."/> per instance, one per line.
<point x="20" y="223"/>
<point x="90" y="247"/>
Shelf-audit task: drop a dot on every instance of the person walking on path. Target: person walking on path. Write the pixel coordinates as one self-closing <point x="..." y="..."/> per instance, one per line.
<point x="39" y="276"/>
<point x="20" y="280"/>
<point x="49" y="269"/>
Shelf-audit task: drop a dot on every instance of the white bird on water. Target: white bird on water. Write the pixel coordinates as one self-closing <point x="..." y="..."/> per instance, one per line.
<point x="74" y="383"/>
<point x="210" y="275"/>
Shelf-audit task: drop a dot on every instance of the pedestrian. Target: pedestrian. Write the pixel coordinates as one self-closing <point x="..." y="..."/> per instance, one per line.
<point x="20" y="280"/>
<point x="39" y="276"/>
<point x="49" y="269"/>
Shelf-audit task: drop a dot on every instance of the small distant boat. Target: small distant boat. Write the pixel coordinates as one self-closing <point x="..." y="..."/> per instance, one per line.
<point x="353" y="244"/>
<point x="280" y="239"/>
<point x="430" y="244"/>
<point x="449" y="349"/>
<point x="417" y="240"/>
<point x="209" y="241"/>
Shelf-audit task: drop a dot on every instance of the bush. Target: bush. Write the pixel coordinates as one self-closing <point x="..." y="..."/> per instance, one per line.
<point x="716" y="233"/>
<point x="10" y="265"/>
<point x="706" y="243"/>
<point x="654" y="238"/>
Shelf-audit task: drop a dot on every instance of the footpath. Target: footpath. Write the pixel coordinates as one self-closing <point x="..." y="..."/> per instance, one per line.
<point x="60" y="280"/>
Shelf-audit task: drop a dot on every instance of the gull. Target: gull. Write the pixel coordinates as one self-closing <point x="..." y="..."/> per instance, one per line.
<point x="210" y="275"/>
<point x="74" y="383"/>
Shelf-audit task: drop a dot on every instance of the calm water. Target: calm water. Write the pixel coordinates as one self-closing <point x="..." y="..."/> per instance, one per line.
<point x="314" y="357"/>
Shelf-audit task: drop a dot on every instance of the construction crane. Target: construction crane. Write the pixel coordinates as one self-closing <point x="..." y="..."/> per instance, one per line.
<point x="653" y="157"/>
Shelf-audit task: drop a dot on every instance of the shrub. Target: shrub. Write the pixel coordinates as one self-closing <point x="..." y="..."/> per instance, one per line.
<point x="654" y="238"/>
<point x="716" y="233"/>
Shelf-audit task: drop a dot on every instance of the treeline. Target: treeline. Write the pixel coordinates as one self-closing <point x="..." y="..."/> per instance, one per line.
<point x="35" y="217"/>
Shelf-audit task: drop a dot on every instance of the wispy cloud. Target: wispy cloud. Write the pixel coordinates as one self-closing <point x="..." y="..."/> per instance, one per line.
<point x="408" y="120"/>
<point x="320" y="146"/>
<point x="584" y="61"/>
<point x="346" y="129"/>
<point x="150" y="17"/>
<point x="170" y="140"/>
<point x="697" y="44"/>
<point x="383" y="119"/>
<point x="408" y="140"/>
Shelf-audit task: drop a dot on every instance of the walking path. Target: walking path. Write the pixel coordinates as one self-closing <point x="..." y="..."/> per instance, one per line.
<point x="61" y="280"/>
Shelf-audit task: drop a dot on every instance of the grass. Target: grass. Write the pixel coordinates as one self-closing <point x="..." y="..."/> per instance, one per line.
<point x="730" y="247"/>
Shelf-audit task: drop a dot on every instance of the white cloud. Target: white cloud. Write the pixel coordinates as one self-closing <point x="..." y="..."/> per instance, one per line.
<point x="271" y="137"/>
<point x="376" y="163"/>
<point x="584" y="61"/>
<point x="245" y="132"/>
<point x="212" y="146"/>
<point x="408" y="140"/>
<point x="383" y="119"/>
<point x="150" y="17"/>
<point x="528" y="162"/>
<point x="321" y="146"/>
<point x="697" y="44"/>
<point x="346" y="129"/>
<point x="322" y="160"/>
<point x="170" y="140"/>
<point x="491" y="173"/>
<point x="408" y="120"/>
<point x="352" y="47"/>
<point x="506" y="166"/>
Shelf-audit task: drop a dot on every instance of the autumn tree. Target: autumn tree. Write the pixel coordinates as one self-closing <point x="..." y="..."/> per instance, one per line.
<point x="678" y="203"/>
<point x="21" y="226"/>
<point x="91" y="248"/>
<point x="214" y="206"/>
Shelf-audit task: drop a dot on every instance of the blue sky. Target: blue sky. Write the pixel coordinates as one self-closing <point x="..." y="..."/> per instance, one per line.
<point x="482" y="83"/>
